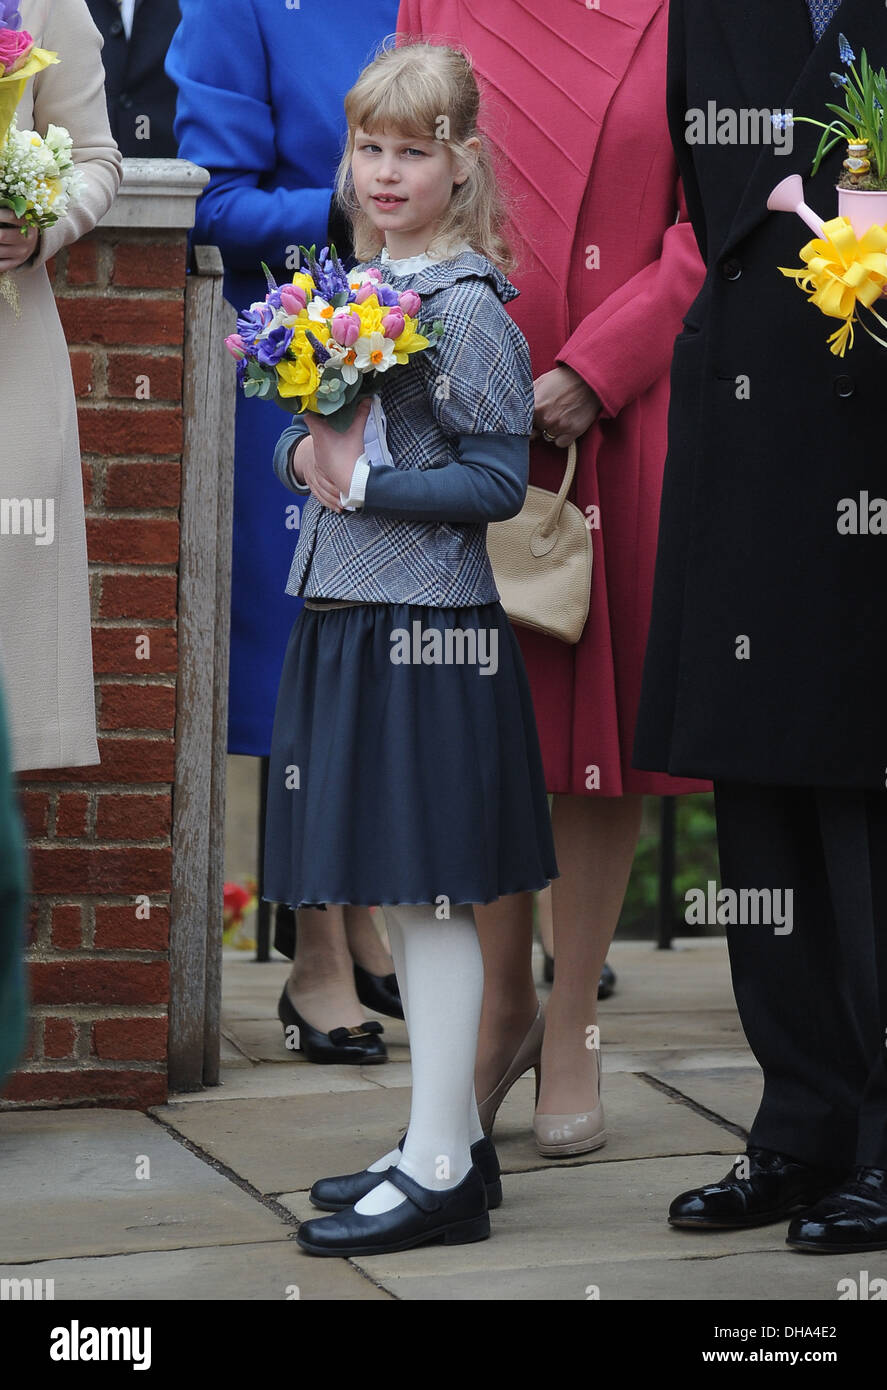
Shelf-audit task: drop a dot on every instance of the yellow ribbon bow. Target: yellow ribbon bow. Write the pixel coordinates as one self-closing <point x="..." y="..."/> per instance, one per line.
<point x="842" y="273"/>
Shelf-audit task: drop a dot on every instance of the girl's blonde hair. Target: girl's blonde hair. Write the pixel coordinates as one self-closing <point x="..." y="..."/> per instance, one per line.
<point x="427" y="90"/>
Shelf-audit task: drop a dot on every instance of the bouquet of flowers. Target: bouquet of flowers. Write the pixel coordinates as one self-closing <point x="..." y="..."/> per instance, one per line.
<point x="319" y="343"/>
<point x="37" y="174"/>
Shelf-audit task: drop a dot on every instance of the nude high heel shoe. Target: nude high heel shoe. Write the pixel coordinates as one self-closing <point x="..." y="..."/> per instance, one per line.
<point x="529" y="1054"/>
<point x="558" y="1136"/>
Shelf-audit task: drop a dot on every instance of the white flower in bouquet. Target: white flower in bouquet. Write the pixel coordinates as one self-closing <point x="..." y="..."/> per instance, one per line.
<point x="38" y="181"/>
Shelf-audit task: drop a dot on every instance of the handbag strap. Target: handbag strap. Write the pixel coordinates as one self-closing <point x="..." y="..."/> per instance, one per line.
<point x="550" y="523"/>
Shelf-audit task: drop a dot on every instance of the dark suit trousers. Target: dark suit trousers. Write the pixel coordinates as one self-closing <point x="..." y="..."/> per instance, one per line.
<point x="813" y="1003"/>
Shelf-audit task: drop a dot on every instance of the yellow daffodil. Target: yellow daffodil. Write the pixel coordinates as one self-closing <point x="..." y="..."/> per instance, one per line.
<point x="409" y="341"/>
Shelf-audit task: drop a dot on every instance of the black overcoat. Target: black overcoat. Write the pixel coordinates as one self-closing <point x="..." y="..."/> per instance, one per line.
<point x="136" y="84"/>
<point x="767" y="655"/>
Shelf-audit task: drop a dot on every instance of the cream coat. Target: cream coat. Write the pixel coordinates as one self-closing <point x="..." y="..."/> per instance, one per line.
<point x="44" y="595"/>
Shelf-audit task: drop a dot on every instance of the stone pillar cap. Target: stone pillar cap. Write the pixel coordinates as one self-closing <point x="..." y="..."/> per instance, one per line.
<point x="157" y="193"/>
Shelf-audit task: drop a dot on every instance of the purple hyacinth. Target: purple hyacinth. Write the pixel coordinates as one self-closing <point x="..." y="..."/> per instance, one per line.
<point x="321" y="354"/>
<point x="252" y="322"/>
<point x="270" y="350"/>
<point x="329" y="275"/>
<point x="845" y="51"/>
<point x="9" y="15"/>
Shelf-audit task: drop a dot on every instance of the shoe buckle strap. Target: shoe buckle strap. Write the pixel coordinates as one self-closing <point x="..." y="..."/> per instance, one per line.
<point x="424" y="1199"/>
<point x="338" y="1036"/>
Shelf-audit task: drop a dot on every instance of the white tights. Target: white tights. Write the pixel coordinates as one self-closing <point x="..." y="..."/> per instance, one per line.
<point x="440" y="972"/>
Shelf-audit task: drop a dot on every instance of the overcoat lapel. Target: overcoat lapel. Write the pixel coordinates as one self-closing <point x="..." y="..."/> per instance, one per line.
<point x="765" y="38"/>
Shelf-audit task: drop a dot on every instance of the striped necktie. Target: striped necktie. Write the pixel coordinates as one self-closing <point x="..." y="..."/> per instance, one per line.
<point x="821" y="13"/>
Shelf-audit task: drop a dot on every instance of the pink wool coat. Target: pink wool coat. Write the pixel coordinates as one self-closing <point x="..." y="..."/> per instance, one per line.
<point x="573" y="101"/>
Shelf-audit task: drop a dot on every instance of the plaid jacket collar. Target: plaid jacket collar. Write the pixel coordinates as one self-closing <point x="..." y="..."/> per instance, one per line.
<point x="467" y="265"/>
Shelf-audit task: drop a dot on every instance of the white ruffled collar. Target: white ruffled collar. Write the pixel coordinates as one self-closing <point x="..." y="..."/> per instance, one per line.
<point x="408" y="265"/>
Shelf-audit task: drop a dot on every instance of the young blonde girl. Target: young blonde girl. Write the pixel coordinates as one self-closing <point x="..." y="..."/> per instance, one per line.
<point x="405" y="768"/>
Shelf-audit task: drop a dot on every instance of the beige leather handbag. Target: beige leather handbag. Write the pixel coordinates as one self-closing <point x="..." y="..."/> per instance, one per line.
<point x="542" y="561"/>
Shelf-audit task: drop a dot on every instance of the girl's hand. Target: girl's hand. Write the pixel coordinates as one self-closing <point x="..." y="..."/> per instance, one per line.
<point x="335" y="455"/>
<point x="566" y="406"/>
<point x="15" y="248"/>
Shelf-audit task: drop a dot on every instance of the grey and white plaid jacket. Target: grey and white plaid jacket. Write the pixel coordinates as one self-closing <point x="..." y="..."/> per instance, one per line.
<point x="458" y="424"/>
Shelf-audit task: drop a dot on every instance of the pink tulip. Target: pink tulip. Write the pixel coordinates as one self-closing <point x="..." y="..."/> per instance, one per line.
<point x="236" y="346"/>
<point x="14" y="50"/>
<point x="393" y="324"/>
<point x="410" y="302"/>
<point x="293" y="298"/>
<point x="345" y="328"/>
<point x="374" y="273"/>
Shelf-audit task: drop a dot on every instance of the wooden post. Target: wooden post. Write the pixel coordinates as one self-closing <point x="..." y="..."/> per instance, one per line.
<point x="201" y="697"/>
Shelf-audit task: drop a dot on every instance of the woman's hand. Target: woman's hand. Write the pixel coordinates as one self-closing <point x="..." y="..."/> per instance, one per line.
<point x="329" y="467"/>
<point x="566" y="406"/>
<point x="15" y="248"/>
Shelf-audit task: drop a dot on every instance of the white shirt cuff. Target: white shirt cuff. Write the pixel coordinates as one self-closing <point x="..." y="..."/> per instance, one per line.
<point x="357" y="488"/>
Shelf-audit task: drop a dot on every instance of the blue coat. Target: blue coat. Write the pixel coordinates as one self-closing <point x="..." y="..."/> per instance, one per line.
<point x="261" y="91"/>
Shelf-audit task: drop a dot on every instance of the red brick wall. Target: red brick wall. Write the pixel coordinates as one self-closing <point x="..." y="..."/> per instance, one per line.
<point x="99" y="837"/>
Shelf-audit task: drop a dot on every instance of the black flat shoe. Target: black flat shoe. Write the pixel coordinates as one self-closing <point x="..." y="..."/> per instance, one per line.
<point x="851" y="1218"/>
<point x="606" y="984"/>
<point x="361" y="1046"/>
<point x="456" y="1217"/>
<point x="381" y="993"/>
<point x="337" y="1194"/>
<point x="775" y="1188"/>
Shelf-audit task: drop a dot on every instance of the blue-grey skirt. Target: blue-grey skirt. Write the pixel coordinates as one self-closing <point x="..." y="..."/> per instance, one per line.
<point x="398" y="779"/>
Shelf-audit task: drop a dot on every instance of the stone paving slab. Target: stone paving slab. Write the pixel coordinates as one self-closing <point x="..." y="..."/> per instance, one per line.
<point x="284" y="1145"/>
<point x="284" y="1079"/>
<point x="583" y="1219"/>
<point x="621" y="1058"/>
<point x="768" y="1277"/>
<point x="70" y="1188"/>
<point x="704" y="1028"/>
<point x="732" y="1092"/>
<point x="244" y="1273"/>
<point x="694" y="974"/>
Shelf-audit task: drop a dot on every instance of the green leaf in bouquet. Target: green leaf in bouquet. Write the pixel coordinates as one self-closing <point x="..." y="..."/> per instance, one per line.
<point x="291" y="404"/>
<point x="339" y="299"/>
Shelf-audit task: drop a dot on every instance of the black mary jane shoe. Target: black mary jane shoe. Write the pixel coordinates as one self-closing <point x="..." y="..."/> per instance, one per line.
<point x="776" y="1187"/>
<point x="337" y="1194"/>
<point x="380" y="993"/>
<point x="850" y="1219"/>
<point x="455" y="1217"/>
<point x="361" y="1046"/>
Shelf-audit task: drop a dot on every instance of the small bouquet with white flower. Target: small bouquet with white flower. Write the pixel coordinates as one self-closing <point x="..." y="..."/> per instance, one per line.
<point x="320" y="343"/>
<point x="38" y="178"/>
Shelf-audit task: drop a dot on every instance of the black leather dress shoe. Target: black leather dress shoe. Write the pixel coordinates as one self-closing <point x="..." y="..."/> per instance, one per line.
<point x="380" y="993"/>
<point x="336" y="1194"/>
<point x="851" y="1218"/>
<point x="455" y="1216"/>
<point x="607" y="982"/>
<point x="361" y="1046"/>
<point x="776" y="1187"/>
